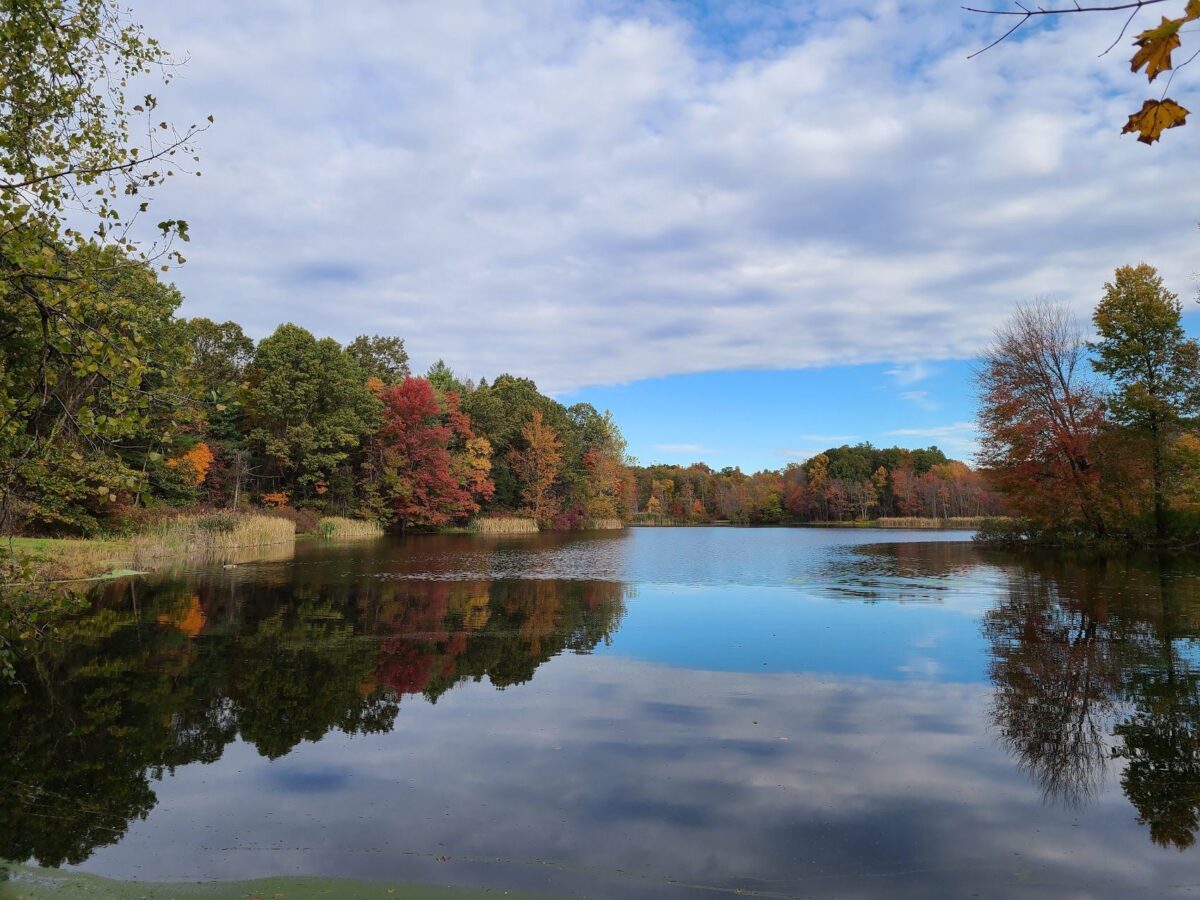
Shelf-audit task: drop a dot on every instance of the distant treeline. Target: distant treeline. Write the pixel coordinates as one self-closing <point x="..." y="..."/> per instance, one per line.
<point x="117" y="413"/>
<point x="842" y="484"/>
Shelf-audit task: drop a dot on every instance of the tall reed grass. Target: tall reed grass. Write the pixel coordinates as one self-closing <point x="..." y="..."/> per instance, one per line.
<point x="605" y="524"/>
<point x="339" y="528"/>
<point x="926" y="522"/>
<point x="209" y="535"/>
<point x="504" y="525"/>
<point x="65" y="559"/>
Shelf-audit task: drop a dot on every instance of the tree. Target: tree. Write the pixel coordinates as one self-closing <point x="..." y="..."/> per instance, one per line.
<point x="307" y="408"/>
<point x="220" y="354"/>
<point x="442" y="377"/>
<point x="1155" y="46"/>
<point x="380" y="357"/>
<point x="536" y="466"/>
<point x="426" y="466"/>
<point x="1039" y="417"/>
<point x="67" y="158"/>
<point x="88" y="405"/>
<point x="1154" y="368"/>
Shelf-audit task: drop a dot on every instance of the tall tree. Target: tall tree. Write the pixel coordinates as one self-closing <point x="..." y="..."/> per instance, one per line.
<point x="73" y="178"/>
<point x="442" y="377"/>
<point x="1039" y="416"/>
<point x="537" y="466"/>
<point x="220" y="354"/>
<point x="307" y="409"/>
<point x="380" y="357"/>
<point x="426" y="467"/>
<point x="1154" y="367"/>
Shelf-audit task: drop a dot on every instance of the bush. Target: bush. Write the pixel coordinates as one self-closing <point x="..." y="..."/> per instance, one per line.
<point x="572" y="519"/>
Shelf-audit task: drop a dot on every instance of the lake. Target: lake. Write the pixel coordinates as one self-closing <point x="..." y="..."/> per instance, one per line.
<point x="667" y="712"/>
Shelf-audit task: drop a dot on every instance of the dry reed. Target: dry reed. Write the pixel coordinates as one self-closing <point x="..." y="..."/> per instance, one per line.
<point x="504" y="525"/>
<point x="210" y="535"/>
<point x="339" y="528"/>
<point x="926" y="522"/>
<point x="605" y="524"/>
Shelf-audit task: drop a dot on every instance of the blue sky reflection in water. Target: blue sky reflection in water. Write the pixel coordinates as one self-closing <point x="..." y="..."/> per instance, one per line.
<point x="794" y="712"/>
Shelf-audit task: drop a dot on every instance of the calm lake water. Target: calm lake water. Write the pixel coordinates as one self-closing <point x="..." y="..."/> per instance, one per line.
<point x="648" y="713"/>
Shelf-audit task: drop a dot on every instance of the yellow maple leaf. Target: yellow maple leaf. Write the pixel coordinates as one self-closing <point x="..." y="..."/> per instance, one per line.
<point x="1155" y="117"/>
<point x="1192" y="10"/>
<point x="1156" y="45"/>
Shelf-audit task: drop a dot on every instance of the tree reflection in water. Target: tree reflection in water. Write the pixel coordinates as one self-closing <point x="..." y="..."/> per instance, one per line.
<point x="155" y="679"/>
<point x="1094" y="663"/>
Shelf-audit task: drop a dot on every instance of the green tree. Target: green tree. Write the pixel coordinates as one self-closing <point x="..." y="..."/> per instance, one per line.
<point x="220" y="354"/>
<point x="1154" y="368"/>
<point x="442" y="377"/>
<point x="91" y="392"/>
<point x="380" y="357"/>
<point x="307" y="409"/>
<point x="76" y="359"/>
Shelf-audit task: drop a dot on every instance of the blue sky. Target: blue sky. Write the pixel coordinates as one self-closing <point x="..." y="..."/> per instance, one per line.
<point x="727" y="222"/>
<point x="766" y="419"/>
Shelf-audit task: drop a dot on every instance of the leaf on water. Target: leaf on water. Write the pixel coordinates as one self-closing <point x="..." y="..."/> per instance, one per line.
<point x="1156" y="45"/>
<point x="1154" y="118"/>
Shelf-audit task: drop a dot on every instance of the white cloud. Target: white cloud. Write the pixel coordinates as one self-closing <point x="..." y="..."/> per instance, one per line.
<point x="911" y="373"/>
<point x="587" y="194"/>
<point x="920" y="398"/>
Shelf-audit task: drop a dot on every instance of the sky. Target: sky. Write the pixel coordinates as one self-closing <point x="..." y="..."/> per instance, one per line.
<point x="750" y="229"/>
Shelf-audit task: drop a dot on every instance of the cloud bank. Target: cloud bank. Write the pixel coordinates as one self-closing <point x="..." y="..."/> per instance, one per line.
<point x="591" y="193"/>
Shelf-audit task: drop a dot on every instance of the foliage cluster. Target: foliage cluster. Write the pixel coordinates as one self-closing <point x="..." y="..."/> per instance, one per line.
<point x="844" y="483"/>
<point x="1096" y="442"/>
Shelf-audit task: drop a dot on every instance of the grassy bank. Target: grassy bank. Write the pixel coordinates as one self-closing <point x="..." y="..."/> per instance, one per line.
<point x="210" y="536"/>
<point x="68" y="559"/>
<point x="18" y="881"/>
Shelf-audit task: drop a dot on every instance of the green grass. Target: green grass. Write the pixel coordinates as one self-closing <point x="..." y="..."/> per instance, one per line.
<point x="28" y="883"/>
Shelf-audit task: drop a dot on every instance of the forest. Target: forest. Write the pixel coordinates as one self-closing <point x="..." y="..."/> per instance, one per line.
<point x="190" y="413"/>
<point x="841" y="484"/>
<point x="193" y="414"/>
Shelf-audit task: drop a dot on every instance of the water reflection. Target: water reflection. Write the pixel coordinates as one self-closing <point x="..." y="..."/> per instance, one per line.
<point x="1095" y="666"/>
<point x="156" y="679"/>
<point x="725" y="735"/>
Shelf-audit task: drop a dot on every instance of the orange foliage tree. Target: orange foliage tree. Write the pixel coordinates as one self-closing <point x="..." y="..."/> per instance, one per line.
<point x="198" y="460"/>
<point x="536" y="467"/>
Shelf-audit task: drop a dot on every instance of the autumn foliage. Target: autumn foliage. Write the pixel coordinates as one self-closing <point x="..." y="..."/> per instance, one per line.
<point x="845" y="483"/>
<point x="197" y="461"/>
<point x="426" y="466"/>
<point x="1154" y="53"/>
<point x="1083" y="460"/>
<point x="536" y="465"/>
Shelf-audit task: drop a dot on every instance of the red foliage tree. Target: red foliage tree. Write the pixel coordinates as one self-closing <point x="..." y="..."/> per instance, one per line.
<point x="427" y="467"/>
